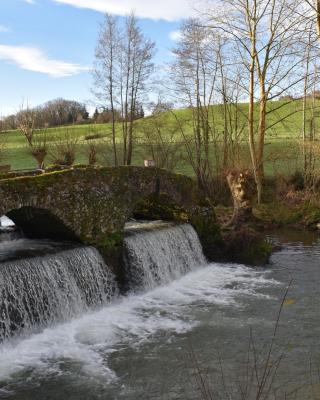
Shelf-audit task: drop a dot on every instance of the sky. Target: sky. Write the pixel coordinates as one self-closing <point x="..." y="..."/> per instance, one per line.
<point x="47" y="46"/>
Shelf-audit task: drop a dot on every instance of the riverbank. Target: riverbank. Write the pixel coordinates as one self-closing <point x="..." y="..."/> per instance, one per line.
<point x="295" y="210"/>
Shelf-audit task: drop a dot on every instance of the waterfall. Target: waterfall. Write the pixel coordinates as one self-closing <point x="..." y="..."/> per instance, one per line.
<point x="43" y="283"/>
<point x="38" y="291"/>
<point x="156" y="255"/>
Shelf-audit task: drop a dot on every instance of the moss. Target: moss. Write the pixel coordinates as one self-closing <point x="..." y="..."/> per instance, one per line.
<point x="246" y="245"/>
<point x="257" y="254"/>
<point x="55" y="167"/>
<point x="111" y="249"/>
<point x="95" y="202"/>
<point x="160" y="207"/>
<point x="209" y="233"/>
<point x="111" y="240"/>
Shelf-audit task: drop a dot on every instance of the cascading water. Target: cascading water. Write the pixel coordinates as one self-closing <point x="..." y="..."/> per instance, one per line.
<point x="122" y="348"/>
<point x="156" y="255"/>
<point x="38" y="291"/>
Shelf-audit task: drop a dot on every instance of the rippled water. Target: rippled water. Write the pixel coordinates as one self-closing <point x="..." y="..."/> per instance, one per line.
<point x="139" y="347"/>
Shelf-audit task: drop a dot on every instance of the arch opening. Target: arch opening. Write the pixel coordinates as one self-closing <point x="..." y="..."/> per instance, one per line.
<point x="37" y="223"/>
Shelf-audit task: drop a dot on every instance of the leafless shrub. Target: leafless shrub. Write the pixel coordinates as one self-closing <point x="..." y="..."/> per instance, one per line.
<point x="93" y="136"/>
<point x="3" y="146"/>
<point x="91" y="152"/>
<point x="39" y="149"/>
<point x="63" y="151"/>
<point x="162" y="138"/>
<point x="26" y="119"/>
<point x="106" y="150"/>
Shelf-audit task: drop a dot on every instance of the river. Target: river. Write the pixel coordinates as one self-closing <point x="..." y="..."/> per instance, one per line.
<point x="158" y="343"/>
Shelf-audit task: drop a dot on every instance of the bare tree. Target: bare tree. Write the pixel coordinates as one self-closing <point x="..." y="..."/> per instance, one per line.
<point x="162" y="138"/>
<point x="202" y="77"/>
<point x="314" y="7"/>
<point x="106" y="71"/>
<point x="136" y="68"/>
<point x="26" y="119"/>
<point x="267" y="39"/>
<point x="39" y="149"/>
<point x="63" y="151"/>
<point x="194" y="73"/>
<point x="123" y="67"/>
<point x="91" y="152"/>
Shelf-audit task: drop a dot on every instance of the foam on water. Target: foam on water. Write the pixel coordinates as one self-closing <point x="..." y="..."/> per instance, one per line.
<point x="129" y="322"/>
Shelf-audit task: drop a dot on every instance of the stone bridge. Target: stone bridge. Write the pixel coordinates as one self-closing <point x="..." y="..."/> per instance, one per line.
<point x="92" y="205"/>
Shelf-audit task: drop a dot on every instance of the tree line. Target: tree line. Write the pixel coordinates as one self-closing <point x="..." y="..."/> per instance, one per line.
<point x="53" y="113"/>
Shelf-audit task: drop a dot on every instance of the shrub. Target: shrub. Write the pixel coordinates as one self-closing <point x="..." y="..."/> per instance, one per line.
<point x="93" y="136"/>
<point x="64" y="150"/>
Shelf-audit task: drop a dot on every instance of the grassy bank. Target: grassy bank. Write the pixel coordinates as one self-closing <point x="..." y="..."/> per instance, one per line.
<point x="282" y="152"/>
<point x="282" y="157"/>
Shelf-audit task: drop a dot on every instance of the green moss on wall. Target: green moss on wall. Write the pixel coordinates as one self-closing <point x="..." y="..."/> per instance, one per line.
<point x="95" y="202"/>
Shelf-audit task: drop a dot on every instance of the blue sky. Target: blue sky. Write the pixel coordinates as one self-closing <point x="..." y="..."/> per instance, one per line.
<point x="47" y="46"/>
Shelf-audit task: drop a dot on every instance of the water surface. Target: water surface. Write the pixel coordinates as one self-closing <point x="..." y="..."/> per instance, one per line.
<point x="144" y="346"/>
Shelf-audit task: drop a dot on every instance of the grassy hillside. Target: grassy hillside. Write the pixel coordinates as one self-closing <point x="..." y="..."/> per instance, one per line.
<point x="284" y="120"/>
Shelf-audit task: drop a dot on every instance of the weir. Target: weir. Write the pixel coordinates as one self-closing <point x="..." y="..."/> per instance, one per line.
<point x="39" y="291"/>
<point x="157" y="254"/>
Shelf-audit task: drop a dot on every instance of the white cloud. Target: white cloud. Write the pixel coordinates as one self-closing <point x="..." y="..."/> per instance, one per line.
<point x="4" y="28"/>
<point x="175" y="36"/>
<point x="33" y="59"/>
<point x="170" y="10"/>
<point x="30" y="1"/>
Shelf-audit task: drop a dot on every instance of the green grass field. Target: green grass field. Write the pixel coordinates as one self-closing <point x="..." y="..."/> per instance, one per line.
<point x="282" y="148"/>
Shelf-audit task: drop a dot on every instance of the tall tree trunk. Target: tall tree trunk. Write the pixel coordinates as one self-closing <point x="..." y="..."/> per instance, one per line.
<point x="252" y="145"/>
<point x="130" y="142"/>
<point x="115" y="157"/>
<point x="260" y="151"/>
<point x="318" y="17"/>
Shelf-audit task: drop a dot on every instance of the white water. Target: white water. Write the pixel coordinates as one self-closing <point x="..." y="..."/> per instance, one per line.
<point x="154" y="257"/>
<point x="130" y="322"/>
<point x="38" y="291"/>
<point x="43" y="290"/>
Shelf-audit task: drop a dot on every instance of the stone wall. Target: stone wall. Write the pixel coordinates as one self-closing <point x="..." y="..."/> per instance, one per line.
<point x="91" y="205"/>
